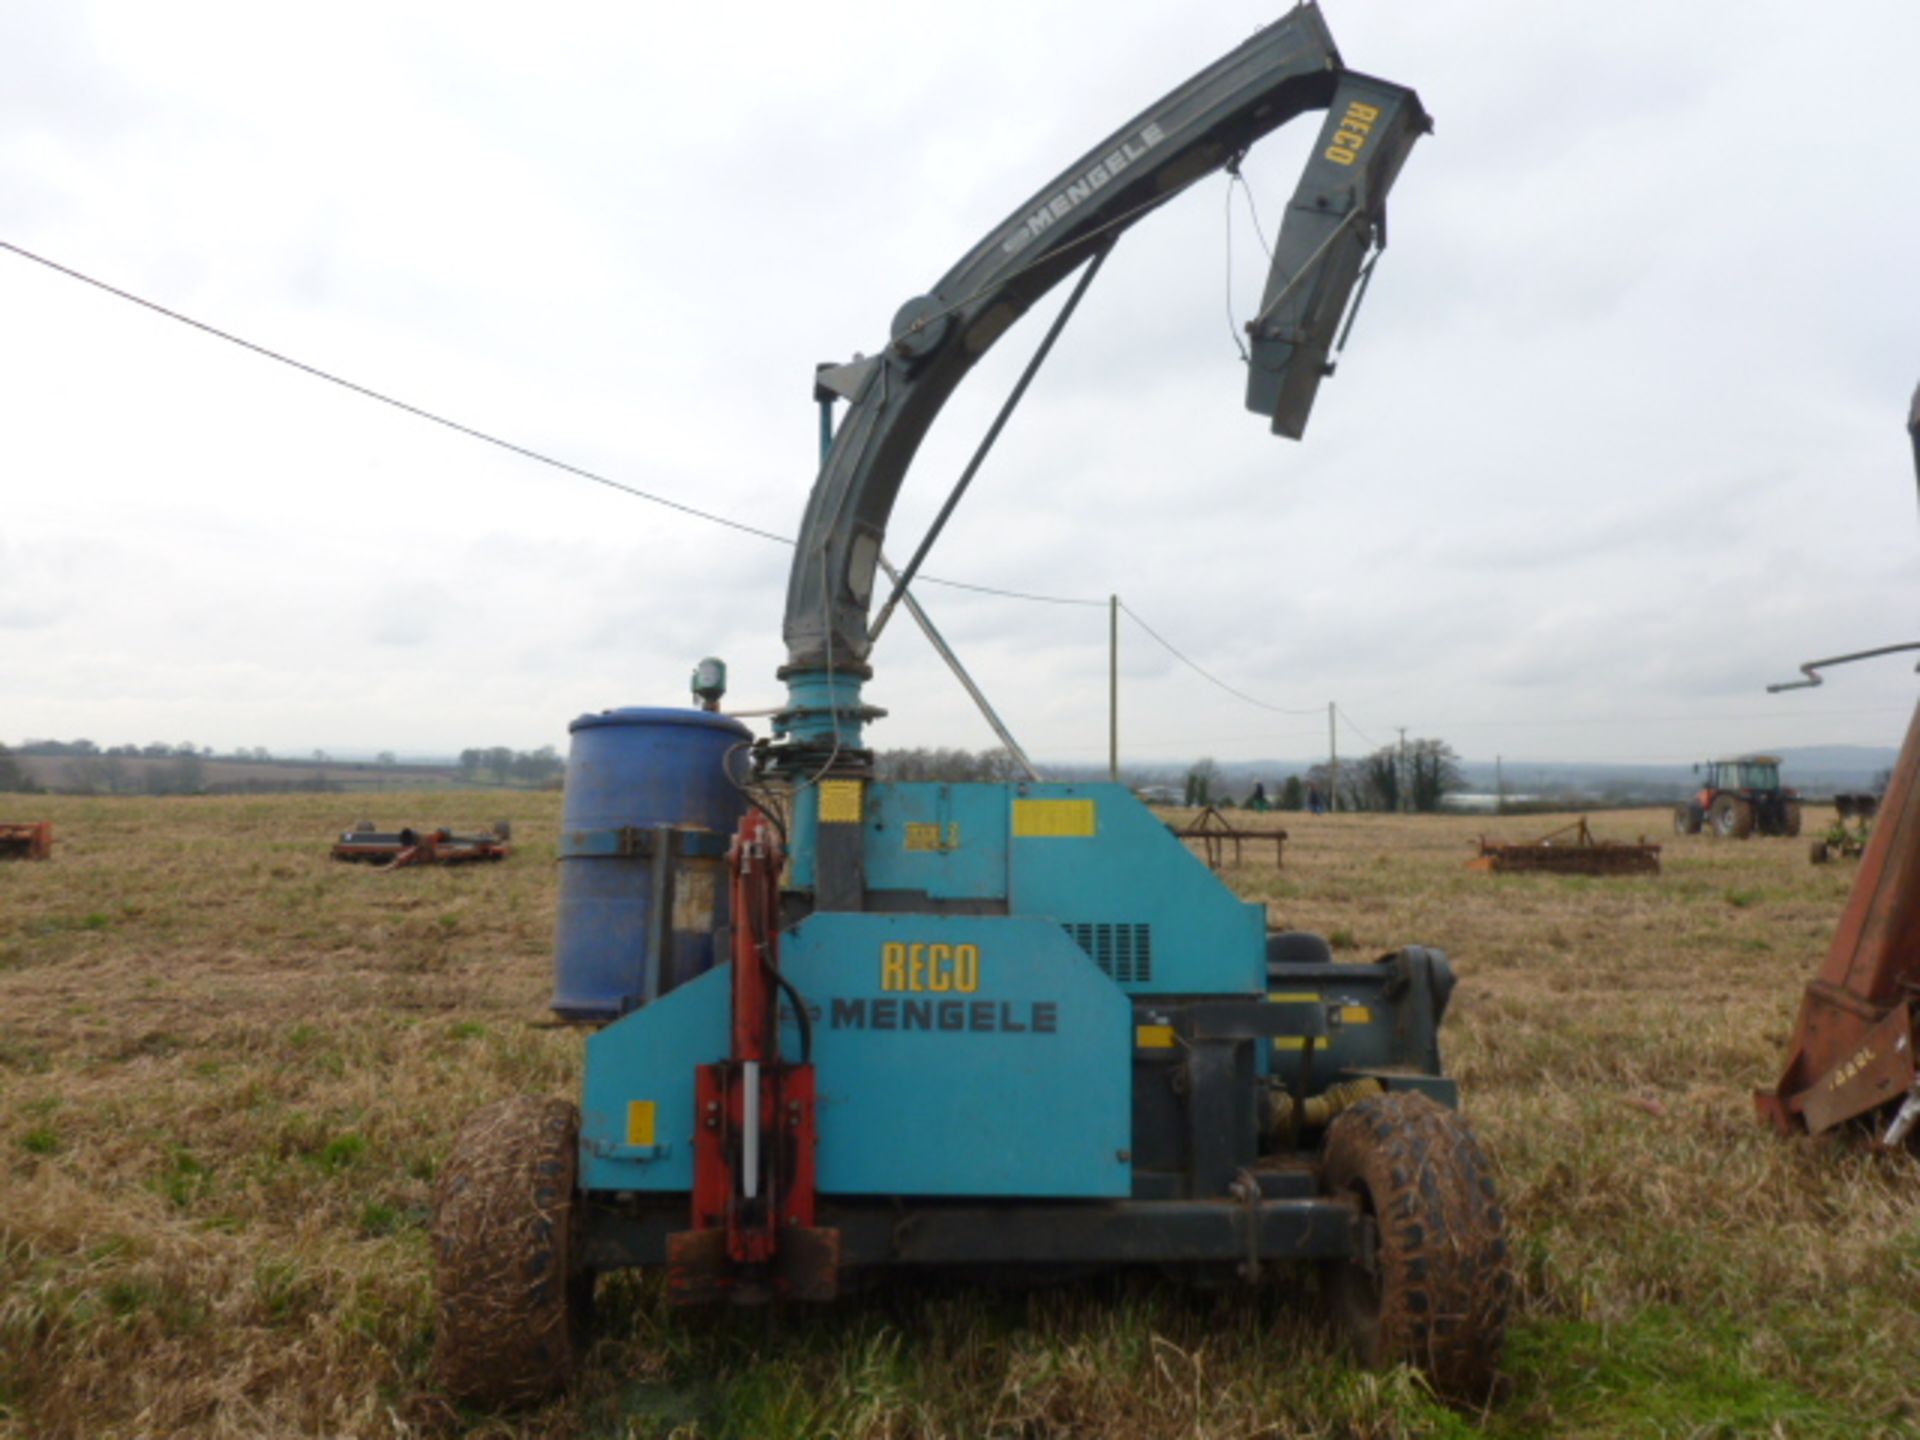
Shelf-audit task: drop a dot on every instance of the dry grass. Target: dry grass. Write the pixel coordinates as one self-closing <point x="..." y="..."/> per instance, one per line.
<point x="229" y="1071"/>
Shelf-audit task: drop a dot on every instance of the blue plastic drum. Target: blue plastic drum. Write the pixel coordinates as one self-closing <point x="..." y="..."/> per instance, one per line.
<point x="649" y="814"/>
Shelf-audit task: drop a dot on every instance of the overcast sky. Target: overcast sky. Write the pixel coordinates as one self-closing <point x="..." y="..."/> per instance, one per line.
<point x="1617" y="442"/>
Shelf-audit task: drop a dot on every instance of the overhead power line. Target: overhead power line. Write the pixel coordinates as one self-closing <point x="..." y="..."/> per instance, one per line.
<point x="474" y="433"/>
<point x="1354" y="726"/>
<point x="1207" y="675"/>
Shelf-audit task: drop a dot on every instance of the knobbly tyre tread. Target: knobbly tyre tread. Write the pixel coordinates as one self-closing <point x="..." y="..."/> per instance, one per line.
<point x="510" y="1302"/>
<point x="1721" y="817"/>
<point x="1445" y="1281"/>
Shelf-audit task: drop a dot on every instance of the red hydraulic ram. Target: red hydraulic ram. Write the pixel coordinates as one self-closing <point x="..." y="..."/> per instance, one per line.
<point x="1853" y="1048"/>
<point x="752" y="1232"/>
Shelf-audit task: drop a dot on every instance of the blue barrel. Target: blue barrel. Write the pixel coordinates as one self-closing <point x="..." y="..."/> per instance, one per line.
<point x="649" y="814"/>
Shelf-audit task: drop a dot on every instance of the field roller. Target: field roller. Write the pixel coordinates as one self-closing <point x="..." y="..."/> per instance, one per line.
<point x="842" y="1029"/>
<point x="1570" y="850"/>
<point x="409" y="845"/>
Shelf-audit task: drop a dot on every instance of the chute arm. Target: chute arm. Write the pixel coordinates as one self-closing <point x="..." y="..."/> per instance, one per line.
<point x="1336" y="216"/>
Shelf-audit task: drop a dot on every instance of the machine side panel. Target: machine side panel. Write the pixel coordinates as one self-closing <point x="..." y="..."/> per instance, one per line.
<point x="946" y="841"/>
<point x="1149" y="912"/>
<point x="962" y="1055"/>
<point x="647" y="1060"/>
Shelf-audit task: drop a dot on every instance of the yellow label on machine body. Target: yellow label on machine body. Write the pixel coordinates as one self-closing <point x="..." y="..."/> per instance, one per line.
<point x="840" y="802"/>
<point x="642" y="1116"/>
<point x="926" y="836"/>
<point x="1055" y="819"/>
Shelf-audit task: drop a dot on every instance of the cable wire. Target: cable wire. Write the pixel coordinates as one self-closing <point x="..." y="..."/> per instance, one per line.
<point x="1259" y="233"/>
<point x="1233" y="330"/>
<point x="1206" y="675"/>
<point x="474" y="433"/>
<point x="1351" y="725"/>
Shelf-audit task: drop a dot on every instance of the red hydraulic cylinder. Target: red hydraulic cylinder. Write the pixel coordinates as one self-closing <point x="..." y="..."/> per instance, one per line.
<point x="1853" y="1048"/>
<point x="752" y="1234"/>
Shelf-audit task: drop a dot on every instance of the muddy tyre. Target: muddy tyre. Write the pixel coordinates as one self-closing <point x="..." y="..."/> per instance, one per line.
<point x="512" y="1301"/>
<point x="1430" y="1284"/>
<point x="1730" y="817"/>
<point x="1686" y="820"/>
<point x="1790" y="822"/>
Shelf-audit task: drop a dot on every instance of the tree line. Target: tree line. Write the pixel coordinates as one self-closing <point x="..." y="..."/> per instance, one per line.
<point x="1427" y="771"/>
<point x="181" y="769"/>
<point x="506" y="766"/>
<point x="952" y="766"/>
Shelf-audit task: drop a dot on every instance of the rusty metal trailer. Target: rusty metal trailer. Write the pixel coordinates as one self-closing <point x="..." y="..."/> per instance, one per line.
<point x="26" y="841"/>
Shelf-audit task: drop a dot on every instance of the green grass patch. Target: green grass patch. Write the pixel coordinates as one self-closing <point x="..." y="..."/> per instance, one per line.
<point x="342" y="1152"/>
<point x="185" y="1179"/>
<point x="378" y="1219"/>
<point x="1664" y="1372"/>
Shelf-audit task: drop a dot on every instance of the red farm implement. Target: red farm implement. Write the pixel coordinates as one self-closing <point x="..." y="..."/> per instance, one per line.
<point x="394" y="849"/>
<point x="1570" y="850"/>
<point x="32" y="841"/>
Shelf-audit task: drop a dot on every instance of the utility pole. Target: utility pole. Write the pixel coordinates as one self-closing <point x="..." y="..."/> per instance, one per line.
<point x="1499" y="788"/>
<point x="1113" y="688"/>
<point x="1333" y="763"/>
<point x="1406" y="798"/>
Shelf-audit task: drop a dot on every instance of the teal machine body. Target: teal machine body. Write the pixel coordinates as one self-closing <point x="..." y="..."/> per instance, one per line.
<point x="1014" y="1010"/>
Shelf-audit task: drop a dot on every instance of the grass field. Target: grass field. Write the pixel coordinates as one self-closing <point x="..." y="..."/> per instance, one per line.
<point x="229" y="1069"/>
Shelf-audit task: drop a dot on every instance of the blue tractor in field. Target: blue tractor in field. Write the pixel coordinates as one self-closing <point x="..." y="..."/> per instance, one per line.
<point x="841" y="1028"/>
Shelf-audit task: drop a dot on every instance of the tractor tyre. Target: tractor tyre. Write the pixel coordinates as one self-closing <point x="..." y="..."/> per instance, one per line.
<point x="512" y="1301"/>
<point x="1730" y="817"/>
<point x="1818" y="852"/>
<point x="1429" y="1284"/>
<point x="1686" y="820"/>
<point x="1790" y="822"/>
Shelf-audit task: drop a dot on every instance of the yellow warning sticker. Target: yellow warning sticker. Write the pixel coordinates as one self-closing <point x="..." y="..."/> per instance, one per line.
<point x="1153" y="1037"/>
<point x="840" y="802"/>
<point x="640" y="1122"/>
<point x="1056" y="819"/>
<point x="1293" y="998"/>
<point x="1355" y="1015"/>
<point x="927" y="836"/>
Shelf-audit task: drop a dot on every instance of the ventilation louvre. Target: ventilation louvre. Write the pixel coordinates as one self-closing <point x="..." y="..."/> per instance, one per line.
<point x="1125" y="952"/>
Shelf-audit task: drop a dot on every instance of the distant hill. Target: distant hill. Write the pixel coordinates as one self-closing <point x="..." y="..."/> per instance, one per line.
<point x="1815" y="769"/>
